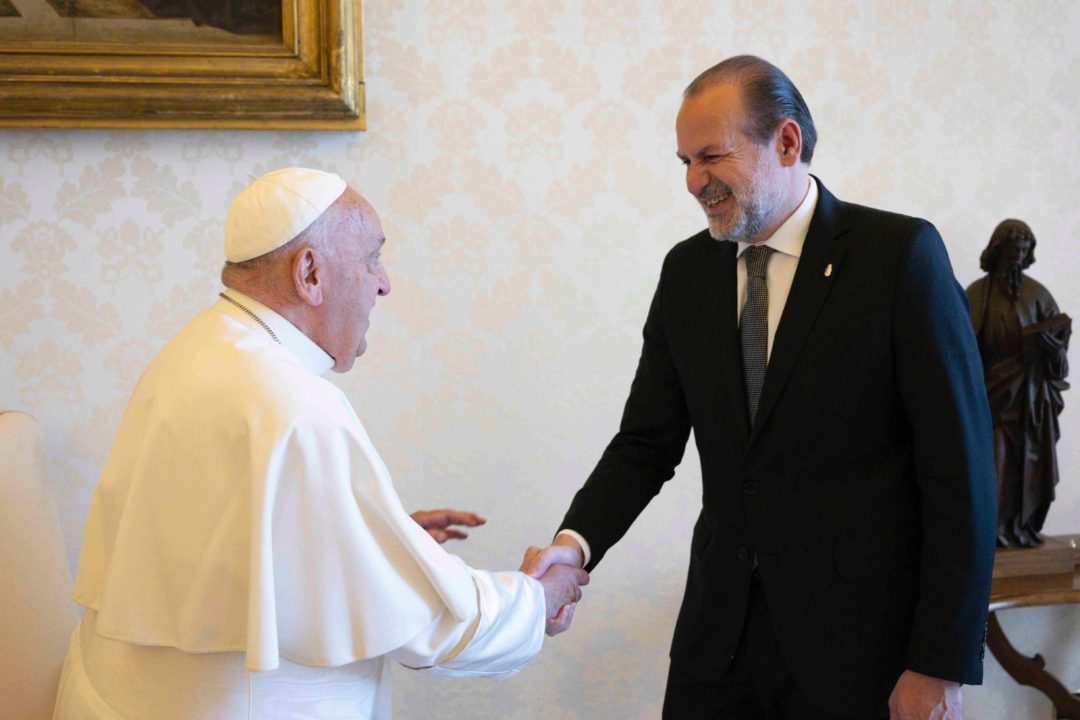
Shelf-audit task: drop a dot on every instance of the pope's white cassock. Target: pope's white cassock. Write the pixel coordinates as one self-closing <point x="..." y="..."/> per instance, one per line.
<point x="246" y="554"/>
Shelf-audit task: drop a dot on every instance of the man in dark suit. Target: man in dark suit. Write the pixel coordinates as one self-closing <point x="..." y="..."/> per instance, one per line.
<point x="822" y="354"/>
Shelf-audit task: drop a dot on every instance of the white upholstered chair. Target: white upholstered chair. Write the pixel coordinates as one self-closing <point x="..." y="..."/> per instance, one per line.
<point x="37" y="614"/>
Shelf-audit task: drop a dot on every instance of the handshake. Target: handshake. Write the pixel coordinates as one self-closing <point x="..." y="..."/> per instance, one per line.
<point x="557" y="567"/>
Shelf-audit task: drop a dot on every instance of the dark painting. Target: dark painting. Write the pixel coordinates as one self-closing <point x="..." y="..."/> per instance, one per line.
<point x="142" y="22"/>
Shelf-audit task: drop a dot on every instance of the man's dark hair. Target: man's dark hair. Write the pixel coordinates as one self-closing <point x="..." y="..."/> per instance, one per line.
<point x="1007" y="231"/>
<point x="768" y="94"/>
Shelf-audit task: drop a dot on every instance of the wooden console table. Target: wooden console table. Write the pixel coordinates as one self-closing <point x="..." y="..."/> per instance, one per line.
<point x="1019" y="581"/>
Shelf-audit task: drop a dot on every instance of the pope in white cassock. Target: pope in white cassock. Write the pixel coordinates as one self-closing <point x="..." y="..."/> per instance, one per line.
<point x="246" y="555"/>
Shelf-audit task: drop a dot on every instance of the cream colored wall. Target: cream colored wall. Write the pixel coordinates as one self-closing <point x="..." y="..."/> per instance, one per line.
<point x="521" y="156"/>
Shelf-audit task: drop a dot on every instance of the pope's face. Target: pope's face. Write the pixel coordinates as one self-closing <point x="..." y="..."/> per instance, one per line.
<point x="737" y="180"/>
<point x="356" y="279"/>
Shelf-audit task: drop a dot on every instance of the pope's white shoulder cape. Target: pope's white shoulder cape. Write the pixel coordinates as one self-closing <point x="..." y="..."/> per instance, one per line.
<point x="243" y="508"/>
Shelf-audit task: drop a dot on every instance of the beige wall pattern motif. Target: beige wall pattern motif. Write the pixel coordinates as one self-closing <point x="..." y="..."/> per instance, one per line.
<point x="521" y="155"/>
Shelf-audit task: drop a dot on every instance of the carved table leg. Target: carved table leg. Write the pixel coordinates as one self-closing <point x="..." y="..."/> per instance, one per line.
<point x="1029" y="671"/>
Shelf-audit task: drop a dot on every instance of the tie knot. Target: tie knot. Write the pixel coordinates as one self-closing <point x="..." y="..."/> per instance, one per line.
<point x="756" y="257"/>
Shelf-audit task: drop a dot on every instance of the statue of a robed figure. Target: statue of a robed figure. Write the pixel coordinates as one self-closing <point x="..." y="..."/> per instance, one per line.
<point x="1023" y="339"/>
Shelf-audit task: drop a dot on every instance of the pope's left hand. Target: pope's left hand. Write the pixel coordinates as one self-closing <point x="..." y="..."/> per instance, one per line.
<point x="439" y="523"/>
<point x="921" y="697"/>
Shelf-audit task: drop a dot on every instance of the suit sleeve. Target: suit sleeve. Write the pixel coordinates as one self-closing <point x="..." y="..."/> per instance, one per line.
<point x="940" y="379"/>
<point x="644" y="453"/>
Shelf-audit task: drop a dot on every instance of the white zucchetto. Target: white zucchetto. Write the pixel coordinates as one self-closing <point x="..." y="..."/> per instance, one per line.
<point x="277" y="207"/>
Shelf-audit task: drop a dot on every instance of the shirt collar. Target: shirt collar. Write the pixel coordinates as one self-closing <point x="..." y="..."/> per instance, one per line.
<point x="313" y="357"/>
<point x="790" y="236"/>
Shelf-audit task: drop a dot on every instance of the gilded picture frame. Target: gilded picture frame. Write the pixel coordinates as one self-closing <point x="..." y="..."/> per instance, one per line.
<point x="308" y="77"/>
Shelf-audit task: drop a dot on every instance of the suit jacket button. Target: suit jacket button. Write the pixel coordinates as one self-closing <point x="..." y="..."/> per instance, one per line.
<point x="742" y="554"/>
<point x="750" y="487"/>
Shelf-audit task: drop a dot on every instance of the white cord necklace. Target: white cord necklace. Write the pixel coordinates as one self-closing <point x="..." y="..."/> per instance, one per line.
<point x="255" y="317"/>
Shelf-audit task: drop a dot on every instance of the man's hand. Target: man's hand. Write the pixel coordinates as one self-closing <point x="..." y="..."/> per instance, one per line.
<point x="921" y="697"/>
<point x="562" y="589"/>
<point x="438" y="523"/>
<point x="564" y="551"/>
<point x="553" y="561"/>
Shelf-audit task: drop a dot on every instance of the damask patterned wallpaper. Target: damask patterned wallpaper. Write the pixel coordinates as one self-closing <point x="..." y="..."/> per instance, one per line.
<point x="521" y="155"/>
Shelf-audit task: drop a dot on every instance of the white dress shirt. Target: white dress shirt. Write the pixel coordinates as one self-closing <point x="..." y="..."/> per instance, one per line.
<point x="787" y="241"/>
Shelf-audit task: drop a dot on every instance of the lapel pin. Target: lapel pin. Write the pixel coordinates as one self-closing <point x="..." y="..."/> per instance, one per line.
<point x="828" y="270"/>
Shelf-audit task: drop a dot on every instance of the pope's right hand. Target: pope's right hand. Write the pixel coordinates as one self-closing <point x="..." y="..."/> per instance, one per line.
<point x="562" y="589"/>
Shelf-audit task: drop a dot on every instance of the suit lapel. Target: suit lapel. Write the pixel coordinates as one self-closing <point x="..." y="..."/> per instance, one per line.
<point x="730" y="349"/>
<point x="723" y="330"/>
<point x="824" y="247"/>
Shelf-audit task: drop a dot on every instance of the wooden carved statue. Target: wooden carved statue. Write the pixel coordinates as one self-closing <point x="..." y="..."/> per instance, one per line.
<point x="1023" y="339"/>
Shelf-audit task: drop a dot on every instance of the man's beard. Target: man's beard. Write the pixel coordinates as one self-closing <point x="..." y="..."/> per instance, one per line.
<point x="752" y="212"/>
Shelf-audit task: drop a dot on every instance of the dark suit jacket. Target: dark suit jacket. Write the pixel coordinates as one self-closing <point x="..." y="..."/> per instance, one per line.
<point x="866" y="488"/>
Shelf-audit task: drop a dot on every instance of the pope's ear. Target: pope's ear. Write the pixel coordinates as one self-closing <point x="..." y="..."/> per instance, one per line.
<point x="307" y="276"/>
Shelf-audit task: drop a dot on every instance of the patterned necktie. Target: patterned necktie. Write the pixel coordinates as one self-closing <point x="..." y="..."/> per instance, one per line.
<point x="754" y="325"/>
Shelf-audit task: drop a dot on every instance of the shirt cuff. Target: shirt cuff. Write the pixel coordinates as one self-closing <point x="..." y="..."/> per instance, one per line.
<point x="576" y="537"/>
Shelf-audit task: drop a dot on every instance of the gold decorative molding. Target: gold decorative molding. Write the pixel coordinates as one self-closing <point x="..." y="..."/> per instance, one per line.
<point x="312" y="79"/>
